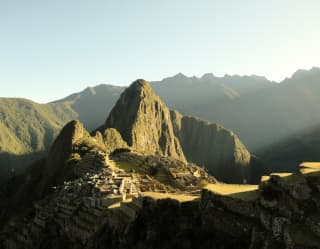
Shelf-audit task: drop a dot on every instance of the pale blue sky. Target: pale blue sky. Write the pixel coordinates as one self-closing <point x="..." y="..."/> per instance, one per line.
<point x="49" y="49"/>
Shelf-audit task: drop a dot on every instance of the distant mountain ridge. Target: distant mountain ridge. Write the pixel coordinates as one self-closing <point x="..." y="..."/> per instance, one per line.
<point x="93" y="103"/>
<point x="141" y="122"/>
<point x="193" y="96"/>
<point x="261" y="112"/>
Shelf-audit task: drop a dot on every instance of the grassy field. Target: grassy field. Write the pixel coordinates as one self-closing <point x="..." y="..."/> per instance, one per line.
<point x="301" y="235"/>
<point x="178" y="197"/>
<point x="267" y="178"/>
<point x="241" y="191"/>
<point x="310" y="167"/>
<point x="129" y="167"/>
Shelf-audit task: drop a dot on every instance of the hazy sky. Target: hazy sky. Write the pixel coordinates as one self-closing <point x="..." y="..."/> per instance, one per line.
<point x="51" y="48"/>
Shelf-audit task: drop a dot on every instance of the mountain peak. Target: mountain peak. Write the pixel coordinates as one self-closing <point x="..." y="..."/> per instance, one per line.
<point x="147" y="125"/>
<point x="141" y="87"/>
<point x="144" y="122"/>
<point x="54" y="170"/>
<point x="207" y="76"/>
<point x="301" y="73"/>
<point x="140" y="84"/>
<point x="90" y="91"/>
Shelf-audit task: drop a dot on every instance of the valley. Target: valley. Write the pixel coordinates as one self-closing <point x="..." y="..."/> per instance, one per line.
<point x="159" y="124"/>
<point x="147" y="172"/>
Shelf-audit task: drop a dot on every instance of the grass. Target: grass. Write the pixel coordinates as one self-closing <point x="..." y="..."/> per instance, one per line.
<point x="267" y="178"/>
<point x="301" y="235"/>
<point x="178" y="197"/>
<point x="310" y="167"/>
<point x="239" y="191"/>
<point x="129" y="167"/>
<point x="287" y="178"/>
<point x="115" y="205"/>
<point x="293" y="179"/>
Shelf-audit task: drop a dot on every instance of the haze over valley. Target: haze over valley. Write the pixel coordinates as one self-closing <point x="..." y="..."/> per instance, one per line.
<point x="264" y="114"/>
<point x="159" y="124"/>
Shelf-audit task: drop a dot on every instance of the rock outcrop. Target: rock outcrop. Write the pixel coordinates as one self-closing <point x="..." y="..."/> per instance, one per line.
<point x="144" y="121"/>
<point x="219" y="149"/>
<point x="55" y="169"/>
<point x="113" y="140"/>
<point x="148" y="126"/>
<point x="20" y="191"/>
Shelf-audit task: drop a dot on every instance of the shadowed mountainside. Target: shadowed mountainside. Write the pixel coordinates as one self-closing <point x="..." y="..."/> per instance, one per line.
<point x="213" y="146"/>
<point x="27" y="126"/>
<point x="261" y="112"/>
<point x="27" y="129"/>
<point x="144" y="121"/>
<point x="146" y="124"/>
<point x="78" y="201"/>
<point x="199" y="96"/>
<point x="93" y="103"/>
<point x="290" y="152"/>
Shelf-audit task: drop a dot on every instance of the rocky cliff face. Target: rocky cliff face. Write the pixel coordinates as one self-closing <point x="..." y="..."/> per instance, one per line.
<point x="219" y="149"/>
<point x="71" y="147"/>
<point x="113" y="140"/>
<point x="148" y="126"/>
<point x="55" y="169"/>
<point x="144" y="121"/>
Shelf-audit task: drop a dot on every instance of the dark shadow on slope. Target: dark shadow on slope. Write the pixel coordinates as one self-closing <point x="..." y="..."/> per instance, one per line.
<point x="19" y="191"/>
<point x="12" y="165"/>
<point x="290" y="152"/>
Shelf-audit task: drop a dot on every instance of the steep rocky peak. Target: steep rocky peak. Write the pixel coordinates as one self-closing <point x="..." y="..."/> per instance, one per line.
<point x="148" y="126"/>
<point x="73" y="131"/>
<point x="141" y="86"/>
<point x="209" y="144"/>
<point x="54" y="170"/>
<point x="144" y="121"/>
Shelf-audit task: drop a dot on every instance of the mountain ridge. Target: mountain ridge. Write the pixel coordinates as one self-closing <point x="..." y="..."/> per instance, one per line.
<point x="272" y="113"/>
<point x="149" y="126"/>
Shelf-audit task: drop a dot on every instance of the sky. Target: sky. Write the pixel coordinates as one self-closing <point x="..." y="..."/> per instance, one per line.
<point x="52" y="48"/>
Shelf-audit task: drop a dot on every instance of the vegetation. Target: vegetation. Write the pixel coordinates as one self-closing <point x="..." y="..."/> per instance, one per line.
<point x="203" y="183"/>
<point x="310" y="167"/>
<point x="74" y="159"/>
<point x="241" y="191"/>
<point x="28" y="127"/>
<point x="119" y="150"/>
<point x="130" y="167"/>
<point x="178" y="197"/>
<point x="301" y="235"/>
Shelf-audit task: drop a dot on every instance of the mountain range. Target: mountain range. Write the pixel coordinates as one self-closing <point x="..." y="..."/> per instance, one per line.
<point x="140" y="123"/>
<point x="264" y="114"/>
<point x="144" y="179"/>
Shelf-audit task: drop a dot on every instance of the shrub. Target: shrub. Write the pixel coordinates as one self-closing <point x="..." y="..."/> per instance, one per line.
<point x="119" y="150"/>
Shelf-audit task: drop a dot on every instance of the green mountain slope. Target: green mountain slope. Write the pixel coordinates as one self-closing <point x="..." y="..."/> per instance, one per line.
<point x="261" y="112"/>
<point x="93" y="103"/>
<point x="148" y="126"/>
<point x="27" y="129"/>
<point x="27" y="126"/>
